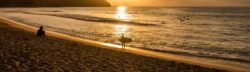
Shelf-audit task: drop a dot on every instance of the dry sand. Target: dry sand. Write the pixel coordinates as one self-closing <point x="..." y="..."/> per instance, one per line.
<point x="23" y="51"/>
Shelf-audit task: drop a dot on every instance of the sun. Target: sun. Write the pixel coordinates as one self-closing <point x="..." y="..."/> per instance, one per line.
<point x="121" y="8"/>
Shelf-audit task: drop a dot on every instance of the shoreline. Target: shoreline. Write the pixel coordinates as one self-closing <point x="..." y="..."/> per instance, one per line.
<point x="23" y="51"/>
<point x="164" y="56"/>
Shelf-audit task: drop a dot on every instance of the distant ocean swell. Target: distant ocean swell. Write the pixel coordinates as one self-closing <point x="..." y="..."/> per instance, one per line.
<point x="97" y="19"/>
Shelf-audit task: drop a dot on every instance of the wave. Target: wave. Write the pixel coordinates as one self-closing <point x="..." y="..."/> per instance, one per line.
<point x="97" y="19"/>
<point x="203" y="55"/>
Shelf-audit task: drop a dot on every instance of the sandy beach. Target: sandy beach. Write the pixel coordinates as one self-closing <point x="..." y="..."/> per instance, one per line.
<point x="23" y="51"/>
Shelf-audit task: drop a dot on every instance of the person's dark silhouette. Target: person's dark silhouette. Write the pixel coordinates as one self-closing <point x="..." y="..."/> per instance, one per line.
<point x="41" y="32"/>
<point x="124" y="40"/>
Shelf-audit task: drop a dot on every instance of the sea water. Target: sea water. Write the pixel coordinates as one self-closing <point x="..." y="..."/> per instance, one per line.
<point x="218" y="33"/>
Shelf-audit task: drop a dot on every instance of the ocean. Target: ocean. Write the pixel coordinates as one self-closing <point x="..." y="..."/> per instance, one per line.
<point x="217" y="33"/>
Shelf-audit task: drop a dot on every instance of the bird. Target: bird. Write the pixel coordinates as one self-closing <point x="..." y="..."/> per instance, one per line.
<point x="124" y="40"/>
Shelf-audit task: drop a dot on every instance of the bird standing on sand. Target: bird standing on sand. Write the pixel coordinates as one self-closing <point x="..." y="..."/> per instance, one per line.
<point x="124" y="40"/>
<point x="41" y="32"/>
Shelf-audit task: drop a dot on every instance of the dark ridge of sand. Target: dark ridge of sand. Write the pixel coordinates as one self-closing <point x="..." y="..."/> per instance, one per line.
<point x="23" y="51"/>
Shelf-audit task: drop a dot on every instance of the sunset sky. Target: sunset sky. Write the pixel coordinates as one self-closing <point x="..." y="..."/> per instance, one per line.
<point x="199" y="3"/>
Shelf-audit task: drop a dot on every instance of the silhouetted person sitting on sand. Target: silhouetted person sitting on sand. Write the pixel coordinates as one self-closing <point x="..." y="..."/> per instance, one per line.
<point x="124" y="40"/>
<point x="41" y="32"/>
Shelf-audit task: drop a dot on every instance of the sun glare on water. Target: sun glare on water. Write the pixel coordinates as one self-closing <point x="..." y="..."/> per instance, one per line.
<point x="120" y="29"/>
<point x="121" y="13"/>
<point x="122" y="8"/>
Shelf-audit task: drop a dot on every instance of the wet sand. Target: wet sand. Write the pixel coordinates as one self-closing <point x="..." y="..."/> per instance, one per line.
<point x="23" y="51"/>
